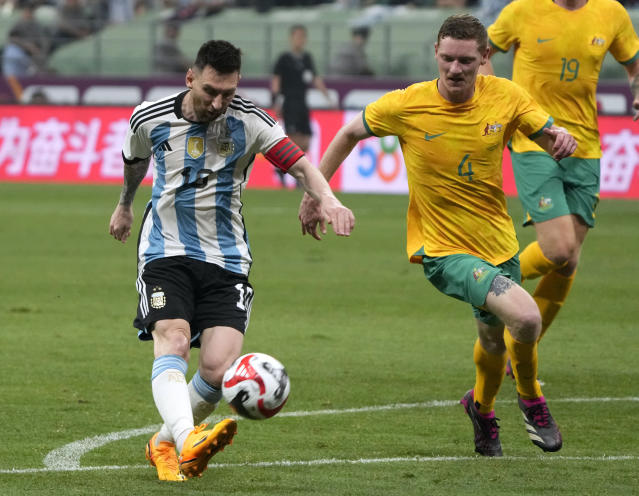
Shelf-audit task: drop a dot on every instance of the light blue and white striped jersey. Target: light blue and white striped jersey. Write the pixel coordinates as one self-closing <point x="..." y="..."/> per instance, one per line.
<point x="200" y="172"/>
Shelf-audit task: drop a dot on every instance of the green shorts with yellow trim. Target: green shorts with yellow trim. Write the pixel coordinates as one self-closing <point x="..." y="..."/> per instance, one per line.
<point x="468" y="278"/>
<point x="548" y="189"/>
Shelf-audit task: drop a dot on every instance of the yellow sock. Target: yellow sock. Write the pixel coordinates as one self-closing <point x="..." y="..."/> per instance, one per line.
<point x="534" y="263"/>
<point x="550" y="295"/>
<point x="490" y="374"/>
<point x="523" y="359"/>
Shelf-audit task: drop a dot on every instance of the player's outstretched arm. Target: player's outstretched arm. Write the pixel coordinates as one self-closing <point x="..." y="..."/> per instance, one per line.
<point x="329" y="208"/>
<point x="342" y="144"/>
<point x="557" y="141"/>
<point x="122" y="217"/>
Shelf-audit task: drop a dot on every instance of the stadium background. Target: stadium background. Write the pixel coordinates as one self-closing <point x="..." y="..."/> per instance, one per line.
<point x="72" y="143"/>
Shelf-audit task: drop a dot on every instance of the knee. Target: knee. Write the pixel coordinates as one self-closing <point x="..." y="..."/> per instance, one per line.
<point x="172" y="338"/>
<point x="526" y="327"/>
<point x="564" y="253"/>
<point x="493" y="344"/>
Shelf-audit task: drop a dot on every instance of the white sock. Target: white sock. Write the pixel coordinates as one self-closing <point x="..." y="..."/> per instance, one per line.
<point x="203" y="397"/>
<point x="171" y="396"/>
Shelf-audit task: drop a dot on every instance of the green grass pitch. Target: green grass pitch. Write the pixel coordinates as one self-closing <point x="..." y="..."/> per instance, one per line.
<point x="368" y="343"/>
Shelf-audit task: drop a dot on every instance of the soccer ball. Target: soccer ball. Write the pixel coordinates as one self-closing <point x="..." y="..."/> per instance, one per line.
<point x="256" y="386"/>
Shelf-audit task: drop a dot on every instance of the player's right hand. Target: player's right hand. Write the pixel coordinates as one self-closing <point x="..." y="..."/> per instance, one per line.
<point x="564" y="143"/>
<point x="310" y="215"/>
<point x="121" y="222"/>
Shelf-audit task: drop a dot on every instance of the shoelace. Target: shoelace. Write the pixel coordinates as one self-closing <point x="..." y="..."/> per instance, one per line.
<point x="167" y="453"/>
<point x="540" y="414"/>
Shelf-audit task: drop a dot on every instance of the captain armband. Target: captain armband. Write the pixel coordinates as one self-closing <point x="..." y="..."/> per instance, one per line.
<point x="284" y="154"/>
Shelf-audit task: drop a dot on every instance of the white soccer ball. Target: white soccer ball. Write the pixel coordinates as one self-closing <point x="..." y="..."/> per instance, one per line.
<point x="256" y="386"/>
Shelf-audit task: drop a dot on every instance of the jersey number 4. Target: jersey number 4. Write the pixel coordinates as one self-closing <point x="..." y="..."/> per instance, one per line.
<point x="465" y="163"/>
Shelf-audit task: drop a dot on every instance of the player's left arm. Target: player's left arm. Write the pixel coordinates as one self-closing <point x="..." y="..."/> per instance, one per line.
<point x="633" y="76"/>
<point x="557" y="142"/>
<point x="315" y="185"/>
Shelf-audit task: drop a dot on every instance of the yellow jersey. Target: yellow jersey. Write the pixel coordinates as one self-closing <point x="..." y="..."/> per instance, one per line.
<point x="558" y="56"/>
<point x="453" y="156"/>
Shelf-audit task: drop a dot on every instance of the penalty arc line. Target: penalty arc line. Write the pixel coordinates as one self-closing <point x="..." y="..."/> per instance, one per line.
<point x="68" y="457"/>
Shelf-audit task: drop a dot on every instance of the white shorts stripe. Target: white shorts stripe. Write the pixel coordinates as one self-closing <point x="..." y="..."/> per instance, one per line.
<point x="144" y="301"/>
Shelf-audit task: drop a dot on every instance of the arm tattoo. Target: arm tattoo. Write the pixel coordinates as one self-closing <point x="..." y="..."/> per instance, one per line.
<point x="500" y="285"/>
<point x="133" y="175"/>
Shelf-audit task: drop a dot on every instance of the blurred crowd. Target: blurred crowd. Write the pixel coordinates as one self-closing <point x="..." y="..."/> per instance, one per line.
<point x="30" y="41"/>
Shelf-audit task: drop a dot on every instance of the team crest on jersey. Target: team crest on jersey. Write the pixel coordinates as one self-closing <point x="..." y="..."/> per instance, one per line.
<point x="598" y="41"/>
<point x="545" y="203"/>
<point x="225" y="146"/>
<point x="158" y="299"/>
<point x="195" y="146"/>
<point x="479" y="273"/>
<point x="492" y="129"/>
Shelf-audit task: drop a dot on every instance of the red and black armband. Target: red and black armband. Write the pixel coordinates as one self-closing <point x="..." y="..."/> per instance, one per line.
<point x="284" y="154"/>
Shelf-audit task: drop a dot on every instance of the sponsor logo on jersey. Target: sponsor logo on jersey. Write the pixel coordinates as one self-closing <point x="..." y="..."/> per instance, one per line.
<point x="491" y="129"/>
<point x="158" y="299"/>
<point x="544" y="40"/>
<point x="598" y="42"/>
<point x="479" y="273"/>
<point x="430" y="137"/>
<point x="195" y="146"/>
<point x="545" y="203"/>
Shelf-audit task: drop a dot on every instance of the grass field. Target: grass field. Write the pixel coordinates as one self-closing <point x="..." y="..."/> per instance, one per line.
<point x="377" y="357"/>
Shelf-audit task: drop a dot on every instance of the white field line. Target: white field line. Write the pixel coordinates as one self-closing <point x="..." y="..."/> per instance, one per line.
<point x="67" y="458"/>
<point x="339" y="461"/>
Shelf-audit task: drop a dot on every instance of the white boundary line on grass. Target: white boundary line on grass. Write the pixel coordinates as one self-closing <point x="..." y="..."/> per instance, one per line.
<point x="67" y="458"/>
<point x="341" y="461"/>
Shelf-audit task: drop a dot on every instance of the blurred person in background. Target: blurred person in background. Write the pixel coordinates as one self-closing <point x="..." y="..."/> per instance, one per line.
<point x="351" y="59"/>
<point x="27" y="47"/>
<point x="293" y="74"/>
<point x="167" y="56"/>
<point x="559" y="48"/>
<point x="73" y="23"/>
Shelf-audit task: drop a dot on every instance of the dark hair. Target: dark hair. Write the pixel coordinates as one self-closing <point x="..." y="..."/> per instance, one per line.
<point x="464" y="27"/>
<point x="362" y="31"/>
<point x="296" y="27"/>
<point x="221" y="55"/>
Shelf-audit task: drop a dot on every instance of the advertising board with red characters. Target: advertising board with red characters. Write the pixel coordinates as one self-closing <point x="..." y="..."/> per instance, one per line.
<point x="73" y="144"/>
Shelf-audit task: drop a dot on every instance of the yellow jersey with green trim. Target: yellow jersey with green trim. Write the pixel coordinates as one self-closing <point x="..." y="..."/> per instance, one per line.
<point x="453" y="156"/>
<point x="558" y="56"/>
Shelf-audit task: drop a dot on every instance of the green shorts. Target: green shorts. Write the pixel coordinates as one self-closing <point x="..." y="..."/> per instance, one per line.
<point x="548" y="189"/>
<point x="468" y="278"/>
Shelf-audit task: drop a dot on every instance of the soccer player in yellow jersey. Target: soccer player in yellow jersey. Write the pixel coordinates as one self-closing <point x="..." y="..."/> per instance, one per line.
<point x="559" y="49"/>
<point x="452" y="133"/>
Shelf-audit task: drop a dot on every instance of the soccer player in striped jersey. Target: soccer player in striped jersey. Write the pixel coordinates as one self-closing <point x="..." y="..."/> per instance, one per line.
<point x="452" y="132"/>
<point x="193" y="249"/>
<point x="559" y="48"/>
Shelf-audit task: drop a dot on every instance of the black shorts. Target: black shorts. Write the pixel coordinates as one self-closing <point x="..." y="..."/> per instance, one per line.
<point x="203" y="294"/>
<point x="297" y="119"/>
